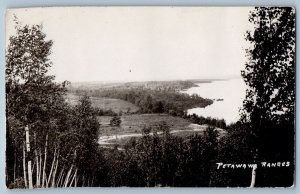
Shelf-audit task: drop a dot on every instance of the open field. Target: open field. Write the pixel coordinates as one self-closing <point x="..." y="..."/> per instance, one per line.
<point x="116" y="105"/>
<point x="122" y="139"/>
<point x="132" y="124"/>
<point x="135" y="122"/>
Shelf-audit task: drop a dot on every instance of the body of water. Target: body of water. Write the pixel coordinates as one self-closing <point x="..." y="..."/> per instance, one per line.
<point x="232" y="92"/>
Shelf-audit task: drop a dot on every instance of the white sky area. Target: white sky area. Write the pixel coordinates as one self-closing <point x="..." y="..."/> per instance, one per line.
<point x="141" y="43"/>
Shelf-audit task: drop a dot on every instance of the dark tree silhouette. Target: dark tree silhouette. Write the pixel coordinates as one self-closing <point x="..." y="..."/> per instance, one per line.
<point x="115" y="121"/>
<point x="270" y="75"/>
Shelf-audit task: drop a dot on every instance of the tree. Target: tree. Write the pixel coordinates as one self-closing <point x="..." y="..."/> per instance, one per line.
<point x="116" y="122"/>
<point x="236" y="147"/>
<point x="270" y="75"/>
<point x="30" y="92"/>
<point x="83" y="140"/>
<point x="34" y="102"/>
<point x="158" y="107"/>
<point x="148" y="104"/>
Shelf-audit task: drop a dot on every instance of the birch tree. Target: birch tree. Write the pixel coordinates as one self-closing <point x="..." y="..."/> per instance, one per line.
<point x="33" y="99"/>
<point x="270" y="75"/>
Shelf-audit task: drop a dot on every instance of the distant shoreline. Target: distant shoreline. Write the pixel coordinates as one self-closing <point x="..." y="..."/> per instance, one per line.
<point x="200" y="80"/>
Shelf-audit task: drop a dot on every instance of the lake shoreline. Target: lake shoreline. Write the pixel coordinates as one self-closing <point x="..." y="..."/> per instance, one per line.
<point x="227" y="96"/>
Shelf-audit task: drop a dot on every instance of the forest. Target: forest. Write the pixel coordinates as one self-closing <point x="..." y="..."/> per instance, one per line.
<point x="172" y="86"/>
<point x="51" y="143"/>
<point x="152" y="101"/>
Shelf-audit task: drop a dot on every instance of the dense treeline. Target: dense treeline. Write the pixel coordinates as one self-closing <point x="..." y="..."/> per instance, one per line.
<point x="220" y="123"/>
<point x="238" y="147"/>
<point x="163" y="160"/>
<point x="102" y="112"/>
<point x="64" y="154"/>
<point x="150" y="106"/>
<point x="172" y="86"/>
<point x="166" y="160"/>
<point x="160" y="160"/>
<point x="153" y="101"/>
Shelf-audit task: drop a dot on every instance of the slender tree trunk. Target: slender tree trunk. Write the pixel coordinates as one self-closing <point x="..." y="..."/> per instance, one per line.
<point x="73" y="178"/>
<point x="37" y="163"/>
<point x="15" y="164"/>
<point x="76" y="180"/>
<point x="83" y="180"/>
<point x="37" y="169"/>
<point x="68" y="176"/>
<point x="45" y="160"/>
<point x="30" y="175"/>
<point x="61" y="184"/>
<point x="148" y="184"/>
<point x="24" y="167"/>
<point x="32" y="167"/>
<point x="40" y="167"/>
<point x="253" y="177"/>
<point x="55" y="170"/>
<point x="51" y="170"/>
<point x="92" y="181"/>
<point x="60" y="177"/>
<point x="30" y="185"/>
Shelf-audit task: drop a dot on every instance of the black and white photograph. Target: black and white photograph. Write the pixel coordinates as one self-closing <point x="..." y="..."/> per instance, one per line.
<point x="150" y="96"/>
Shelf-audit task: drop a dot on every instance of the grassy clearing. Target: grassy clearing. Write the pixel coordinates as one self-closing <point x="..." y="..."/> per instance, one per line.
<point x="124" y="140"/>
<point x="135" y="122"/>
<point x="132" y="124"/>
<point x="115" y="105"/>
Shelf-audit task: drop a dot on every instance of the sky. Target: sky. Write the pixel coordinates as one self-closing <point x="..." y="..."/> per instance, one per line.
<point x="141" y="43"/>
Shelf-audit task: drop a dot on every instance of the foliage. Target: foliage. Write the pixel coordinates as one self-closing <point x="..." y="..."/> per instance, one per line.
<point x="115" y="121"/>
<point x="220" y="123"/>
<point x="164" y="160"/>
<point x="270" y="71"/>
<point x="152" y="101"/>
<point x="237" y="147"/>
<point x="269" y="106"/>
<point x="30" y="92"/>
<point x="101" y="112"/>
<point x="63" y="139"/>
<point x="171" y="86"/>
<point x="32" y="98"/>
